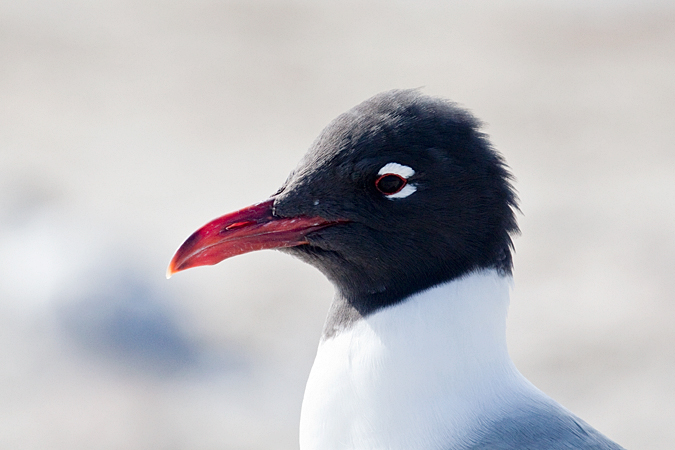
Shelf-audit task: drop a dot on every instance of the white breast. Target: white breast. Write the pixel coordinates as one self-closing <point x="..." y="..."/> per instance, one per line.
<point x="417" y="375"/>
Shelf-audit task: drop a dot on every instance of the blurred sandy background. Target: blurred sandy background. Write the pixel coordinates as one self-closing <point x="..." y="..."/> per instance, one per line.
<point x="125" y="125"/>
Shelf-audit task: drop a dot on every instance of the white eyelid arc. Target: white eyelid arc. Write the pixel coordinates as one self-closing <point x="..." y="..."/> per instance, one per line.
<point x="407" y="190"/>
<point x="397" y="169"/>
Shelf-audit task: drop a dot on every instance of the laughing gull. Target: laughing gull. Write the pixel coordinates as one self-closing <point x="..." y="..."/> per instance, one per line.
<point x="408" y="210"/>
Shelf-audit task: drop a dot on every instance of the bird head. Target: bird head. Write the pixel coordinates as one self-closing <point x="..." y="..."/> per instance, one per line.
<point x="398" y="194"/>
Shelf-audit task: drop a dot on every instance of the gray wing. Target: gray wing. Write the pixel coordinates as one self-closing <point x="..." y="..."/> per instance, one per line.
<point x="539" y="426"/>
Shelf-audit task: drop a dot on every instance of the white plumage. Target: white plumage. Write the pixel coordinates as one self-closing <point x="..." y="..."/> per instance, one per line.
<point x="423" y="372"/>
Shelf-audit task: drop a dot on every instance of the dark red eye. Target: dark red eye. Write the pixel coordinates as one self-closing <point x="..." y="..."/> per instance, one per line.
<point x="390" y="183"/>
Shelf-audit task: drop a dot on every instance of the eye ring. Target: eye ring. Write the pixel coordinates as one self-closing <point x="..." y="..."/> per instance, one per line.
<point x="390" y="183"/>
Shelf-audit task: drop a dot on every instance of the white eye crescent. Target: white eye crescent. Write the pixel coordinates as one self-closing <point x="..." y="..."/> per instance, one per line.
<point x="397" y="169"/>
<point x="393" y="181"/>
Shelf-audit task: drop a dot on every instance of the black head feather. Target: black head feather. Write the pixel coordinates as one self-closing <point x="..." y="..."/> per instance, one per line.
<point x="459" y="219"/>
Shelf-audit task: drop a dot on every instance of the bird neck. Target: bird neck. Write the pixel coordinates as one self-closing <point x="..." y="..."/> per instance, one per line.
<point x="424" y="369"/>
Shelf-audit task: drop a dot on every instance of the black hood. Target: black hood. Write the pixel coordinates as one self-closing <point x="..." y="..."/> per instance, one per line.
<point x="458" y="219"/>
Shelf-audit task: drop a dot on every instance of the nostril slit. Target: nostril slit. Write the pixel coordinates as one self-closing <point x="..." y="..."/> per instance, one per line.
<point x="235" y="225"/>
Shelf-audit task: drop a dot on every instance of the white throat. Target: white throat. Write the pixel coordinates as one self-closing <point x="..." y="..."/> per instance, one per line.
<point x="419" y="374"/>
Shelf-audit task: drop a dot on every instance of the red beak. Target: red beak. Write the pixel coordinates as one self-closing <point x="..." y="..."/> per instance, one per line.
<point x="247" y="230"/>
